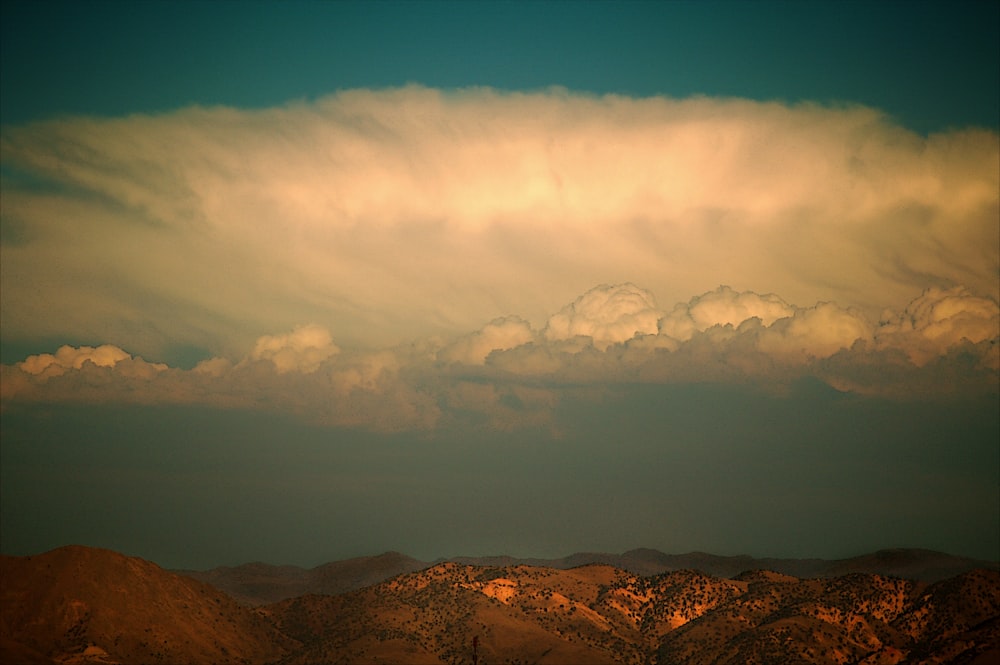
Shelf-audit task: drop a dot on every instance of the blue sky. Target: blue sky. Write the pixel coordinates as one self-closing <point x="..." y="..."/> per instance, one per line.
<point x="933" y="65"/>
<point x="303" y="281"/>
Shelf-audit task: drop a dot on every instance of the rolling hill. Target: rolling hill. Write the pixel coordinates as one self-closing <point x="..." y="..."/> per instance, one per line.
<point x="82" y="605"/>
<point x="600" y="614"/>
<point x="261" y="583"/>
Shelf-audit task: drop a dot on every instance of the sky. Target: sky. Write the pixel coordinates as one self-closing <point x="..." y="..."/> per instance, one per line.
<point x="296" y="282"/>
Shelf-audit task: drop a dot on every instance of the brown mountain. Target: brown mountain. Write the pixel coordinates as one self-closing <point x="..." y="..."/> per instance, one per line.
<point x="261" y="583"/>
<point x="79" y="605"/>
<point x="600" y="614"/>
<point x="520" y="615"/>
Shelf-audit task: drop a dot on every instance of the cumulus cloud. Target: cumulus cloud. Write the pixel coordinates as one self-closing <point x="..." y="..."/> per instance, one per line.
<point x="210" y="227"/>
<point x="500" y="334"/>
<point x="769" y="324"/>
<point x="722" y="307"/>
<point x="938" y="320"/>
<point x="607" y="315"/>
<point x="505" y="375"/>
<point x="68" y="357"/>
<point x="815" y="332"/>
<point x="80" y="373"/>
<point x="302" y="350"/>
<point x="365" y="372"/>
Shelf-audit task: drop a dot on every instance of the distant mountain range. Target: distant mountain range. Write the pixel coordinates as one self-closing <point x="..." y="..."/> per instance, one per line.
<point x="260" y="583"/>
<point x="77" y="605"/>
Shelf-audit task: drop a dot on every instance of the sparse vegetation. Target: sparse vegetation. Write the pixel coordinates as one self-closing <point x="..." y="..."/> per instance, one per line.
<point x="128" y="611"/>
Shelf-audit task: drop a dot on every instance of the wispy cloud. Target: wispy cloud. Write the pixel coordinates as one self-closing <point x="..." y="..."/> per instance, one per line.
<point x="384" y="217"/>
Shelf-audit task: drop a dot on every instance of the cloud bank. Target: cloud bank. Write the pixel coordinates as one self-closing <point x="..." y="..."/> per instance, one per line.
<point x="387" y="216"/>
<point x="508" y="374"/>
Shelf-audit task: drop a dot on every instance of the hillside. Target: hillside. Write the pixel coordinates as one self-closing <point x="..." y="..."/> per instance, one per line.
<point x="261" y="583"/>
<point x="600" y="614"/>
<point x="81" y="605"/>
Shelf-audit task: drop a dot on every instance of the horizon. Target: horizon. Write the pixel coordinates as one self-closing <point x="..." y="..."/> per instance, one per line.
<point x="519" y="560"/>
<point x="299" y="281"/>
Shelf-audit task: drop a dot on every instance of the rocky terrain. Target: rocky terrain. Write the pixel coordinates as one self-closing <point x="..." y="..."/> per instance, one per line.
<point x="80" y="605"/>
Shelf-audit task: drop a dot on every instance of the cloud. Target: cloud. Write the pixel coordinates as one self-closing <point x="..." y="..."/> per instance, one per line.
<point x="722" y="307"/>
<point x="507" y="375"/>
<point x="815" y="332"/>
<point x="938" y="320"/>
<point x="68" y="357"/>
<point x="768" y="323"/>
<point x="82" y="373"/>
<point x="302" y="350"/>
<point x="499" y="334"/>
<point x="607" y="315"/>
<point x="392" y="215"/>
<point x="365" y="372"/>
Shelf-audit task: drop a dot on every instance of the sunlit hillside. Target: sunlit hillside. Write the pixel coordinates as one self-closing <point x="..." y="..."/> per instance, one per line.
<point x="81" y="605"/>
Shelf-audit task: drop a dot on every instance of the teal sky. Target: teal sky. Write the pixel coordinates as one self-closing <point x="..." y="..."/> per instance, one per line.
<point x="301" y="281"/>
<point x="933" y="65"/>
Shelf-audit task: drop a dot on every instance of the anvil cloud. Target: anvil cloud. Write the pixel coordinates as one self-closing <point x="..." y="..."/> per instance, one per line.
<point x="384" y="217"/>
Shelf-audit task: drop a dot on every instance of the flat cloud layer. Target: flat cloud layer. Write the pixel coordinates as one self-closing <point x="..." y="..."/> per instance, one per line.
<point x="383" y="217"/>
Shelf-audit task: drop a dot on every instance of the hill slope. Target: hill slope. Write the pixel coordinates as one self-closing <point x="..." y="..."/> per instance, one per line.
<point x="261" y="583"/>
<point x="80" y="604"/>
<point x="600" y="614"/>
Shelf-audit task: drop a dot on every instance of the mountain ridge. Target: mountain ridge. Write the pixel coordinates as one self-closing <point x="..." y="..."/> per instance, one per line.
<point x="77" y="605"/>
<point x="258" y="583"/>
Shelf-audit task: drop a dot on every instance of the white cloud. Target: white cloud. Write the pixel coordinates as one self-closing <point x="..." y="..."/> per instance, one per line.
<point x="69" y="357"/>
<point x="505" y="375"/>
<point x="386" y="216"/>
<point x="302" y="350"/>
<point x="498" y="335"/>
<point x="606" y="314"/>
<point x="778" y="329"/>
<point x="815" y="332"/>
<point x="722" y="307"/>
<point x="938" y="320"/>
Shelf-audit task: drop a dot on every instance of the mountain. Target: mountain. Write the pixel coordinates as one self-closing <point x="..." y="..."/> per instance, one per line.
<point x="84" y="605"/>
<point x="261" y="583"/>
<point x="519" y="614"/>
<point x="601" y="614"/>
<point x="79" y="605"/>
